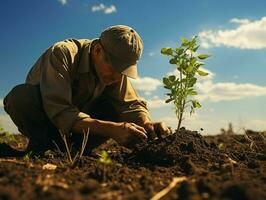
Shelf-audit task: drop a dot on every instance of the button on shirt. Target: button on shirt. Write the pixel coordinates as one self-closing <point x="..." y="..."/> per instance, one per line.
<point x="69" y="85"/>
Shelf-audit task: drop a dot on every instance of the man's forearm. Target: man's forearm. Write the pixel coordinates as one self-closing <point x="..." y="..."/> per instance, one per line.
<point x="99" y="127"/>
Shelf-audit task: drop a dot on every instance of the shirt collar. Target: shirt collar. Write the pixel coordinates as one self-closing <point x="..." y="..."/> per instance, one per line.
<point x="85" y="61"/>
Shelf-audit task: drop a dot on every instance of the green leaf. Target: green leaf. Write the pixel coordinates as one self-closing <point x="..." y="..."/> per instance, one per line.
<point x="193" y="61"/>
<point x="172" y="78"/>
<point x="192" y="92"/>
<point x="167" y="82"/>
<point x="189" y="69"/>
<point x="168" y="100"/>
<point x="167" y="87"/>
<point x="167" y="51"/>
<point x="184" y="41"/>
<point x="173" y="61"/>
<point x="196" y="48"/>
<point x="202" y="73"/>
<point x="192" y="82"/>
<point x="194" y="40"/>
<point x="196" y="104"/>
<point x="179" y="51"/>
<point x="199" y="64"/>
<point x="203" y="56"/>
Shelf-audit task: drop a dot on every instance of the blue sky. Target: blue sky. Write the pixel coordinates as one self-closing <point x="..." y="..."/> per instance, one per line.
<point x="233" y="32"/>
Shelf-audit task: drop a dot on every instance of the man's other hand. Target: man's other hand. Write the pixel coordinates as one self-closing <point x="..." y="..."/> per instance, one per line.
<point x="129" y="134"/>
<point x="156" y="129"/>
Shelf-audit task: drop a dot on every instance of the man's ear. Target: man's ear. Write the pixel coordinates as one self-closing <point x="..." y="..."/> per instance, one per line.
<point x="98" y="49"/>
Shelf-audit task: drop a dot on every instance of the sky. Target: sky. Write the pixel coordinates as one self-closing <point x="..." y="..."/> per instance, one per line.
<point x="233" y="32"/>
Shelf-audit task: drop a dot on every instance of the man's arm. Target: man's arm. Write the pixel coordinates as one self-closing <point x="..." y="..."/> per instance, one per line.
<point x="123" y="133"/>
<point x="132" y="109"/>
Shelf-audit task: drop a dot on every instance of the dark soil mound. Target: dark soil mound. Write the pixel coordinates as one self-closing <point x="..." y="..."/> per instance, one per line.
<point x="183" y="149"/>
<point x="217" y="167"/>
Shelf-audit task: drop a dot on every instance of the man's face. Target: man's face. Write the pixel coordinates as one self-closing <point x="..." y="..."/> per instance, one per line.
<point x="105" y="71"/>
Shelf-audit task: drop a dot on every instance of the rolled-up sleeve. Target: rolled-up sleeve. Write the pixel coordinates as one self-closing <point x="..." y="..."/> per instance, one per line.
<point x="56" y="90"/>
<point x="126" y="102"/>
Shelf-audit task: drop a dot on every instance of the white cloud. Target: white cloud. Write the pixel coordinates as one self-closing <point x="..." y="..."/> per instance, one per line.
<point x="1" y="103"/>
<point x="169" y="120"/>
<point x="63" y="2"/>
<point x="103" y="8"/>
<point x="239" y="21"/>
<point x="258" y="123"/>
<point x="146" y="84"/>
<point x="224" y="91"/>
<point x="247" y="35"/>
<point x="155" y="102"/>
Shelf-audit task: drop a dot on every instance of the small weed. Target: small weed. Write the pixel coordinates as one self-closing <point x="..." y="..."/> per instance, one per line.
<point x="104" y="158"/>
<point x="49" y="154"/>
<point x="221" y="146"/>
<point x="27" y="156"/>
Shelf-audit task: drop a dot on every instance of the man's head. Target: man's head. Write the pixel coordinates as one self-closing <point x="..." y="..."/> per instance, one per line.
<point x="118" y="50"/>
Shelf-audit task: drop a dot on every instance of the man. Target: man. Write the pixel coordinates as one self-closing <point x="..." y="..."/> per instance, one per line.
<point x="81" y="84"/>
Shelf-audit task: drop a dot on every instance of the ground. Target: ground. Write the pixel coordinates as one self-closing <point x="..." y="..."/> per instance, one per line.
<point x="226" y="166"/>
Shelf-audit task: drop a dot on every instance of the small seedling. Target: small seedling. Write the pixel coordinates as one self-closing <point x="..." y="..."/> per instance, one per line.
<point x="49" y="154"/>
<point x="181" y="87"/>
<point x="27" y="156"/>
<point x="104" y="158"/>
<point x="78" y="155"/>
<point x="221" y="146"/>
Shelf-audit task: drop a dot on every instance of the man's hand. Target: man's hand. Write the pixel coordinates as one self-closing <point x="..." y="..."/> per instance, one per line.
<point x="128" y="134"/>
<point x="156" y="129"/>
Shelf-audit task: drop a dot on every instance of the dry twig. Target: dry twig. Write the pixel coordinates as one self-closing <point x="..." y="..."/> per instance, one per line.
<point x="163" y="192"/>
<point x="263" y="138"/>
<point x="83" y="146"/>
<point x="16" y="162"/>
<point x="252" y="143"/>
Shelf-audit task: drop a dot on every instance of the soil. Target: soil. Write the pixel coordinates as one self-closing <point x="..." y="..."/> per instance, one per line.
<point x="225" y="167"/>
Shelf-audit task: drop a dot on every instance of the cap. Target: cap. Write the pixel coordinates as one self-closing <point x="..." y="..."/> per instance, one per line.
<point x="124" y="47"/>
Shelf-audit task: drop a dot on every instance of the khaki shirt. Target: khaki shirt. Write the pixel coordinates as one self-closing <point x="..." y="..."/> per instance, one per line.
<point x="69" y="85"/>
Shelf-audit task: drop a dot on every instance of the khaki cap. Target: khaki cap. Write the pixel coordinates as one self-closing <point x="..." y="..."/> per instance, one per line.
<point x="124" y="47"/>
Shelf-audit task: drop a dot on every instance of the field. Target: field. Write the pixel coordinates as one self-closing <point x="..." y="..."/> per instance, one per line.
<point x="185" y="165"/>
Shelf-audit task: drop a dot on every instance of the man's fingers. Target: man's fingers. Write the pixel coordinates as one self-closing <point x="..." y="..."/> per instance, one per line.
<point x="149" y="127"/>
<point x="162" y="129"/>
<point x="140" y="128"/>
<point x="139" y="133"/>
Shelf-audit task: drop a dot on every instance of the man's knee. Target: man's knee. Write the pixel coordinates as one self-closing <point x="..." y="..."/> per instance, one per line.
<point x="21" y="98"/>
